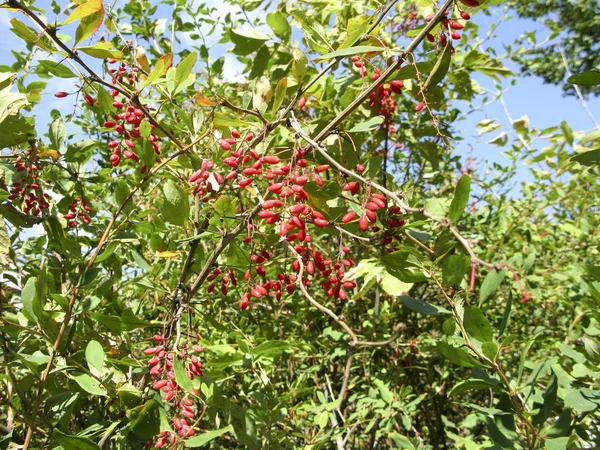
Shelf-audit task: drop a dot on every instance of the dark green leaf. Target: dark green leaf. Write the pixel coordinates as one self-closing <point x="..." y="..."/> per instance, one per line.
<point x="422" y="307"/>
<point x="204" y="438"/>
<point x="460" y="199"/>
<point x="181" y="376"/>
<point x="440" y="69"/>
<point x="476" y="384"/>
<point x="477" y="325"/>
<point x="457" y="356"/>
<point x="145" y="419"/>
<point x="589" y="78"/>
<point x="490" y="283"/>
<point x="454" y="269"/>
<point x="175" y="208"/>
<point x="68" y="442"/>
<point x="280" y="25"/>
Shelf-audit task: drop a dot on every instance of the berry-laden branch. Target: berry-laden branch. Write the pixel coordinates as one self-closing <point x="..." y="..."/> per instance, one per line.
<point x="463" y="241"/>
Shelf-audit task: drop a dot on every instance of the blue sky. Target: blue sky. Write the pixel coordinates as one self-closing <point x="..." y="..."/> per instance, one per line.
<point x="543" y="104"/>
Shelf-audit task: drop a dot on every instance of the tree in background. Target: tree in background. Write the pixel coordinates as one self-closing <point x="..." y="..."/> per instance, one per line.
<point x="573" y="46"/>
<point x="294" y="257"/>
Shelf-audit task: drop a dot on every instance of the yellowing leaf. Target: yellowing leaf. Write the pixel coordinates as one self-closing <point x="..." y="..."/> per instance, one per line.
<point x="141" y="58"/>
<point x="203" y="100"/>
<point x="86" y="9"/>
<point x="169" y="254"/>
<point x="88" y="26"/>
<point x="51" y="153"/>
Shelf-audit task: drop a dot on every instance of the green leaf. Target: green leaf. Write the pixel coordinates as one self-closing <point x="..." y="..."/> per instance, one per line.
<point x="160" y="68"/>
<point x="184" y="68"/>
<point x="16" y="129"/>
<point x="457" y="356"/>
<point x="269" y="348"/>
<point x="410" y="71"/>
<point x="280" y="25"/>
<point x="48" y="68"/>
<point x="175" y="208"/>
<point x="588" y="158"/>
<point x="358" y="50"/>
<point x="401" y="442"/>
<point x="68" y="442"/>
<point x="204" y="438"/>
<point x="440" y="69"/>
<point x="491" y="282"/>
<point x="582" y="400"/>
<point x="89" y="384"/>
<point x="299" y="64"/>
<point x="422" y="307"/>
<point x="4" y="245"/>
<point x="280" y="91"/>
<point x="506" y="315"/>
<point x="145" y="419"/>
<point x="314" y="32"/>
<point x="11" y="102"/>
<point x="560" y="443"/>
<point x="392" y="285"/>
<point x="524" y="353"/>
<point x="247" y="40"/>
<point x="460" y="199"/>
<point x="367" y="125"/>
<point x="477" y="325"/>
<point x="29" y="35"/>
<point x="567" y="132"/>
<point x="454" y="269"/>
<point x="475" y="384"/>
<point x="128" y="321"/>
<point x="102" y="50"/>
<point x="58" y="133"/>
<point x="94" y="355"/>
<point x="32" y="305"/>
<point x="181" y="376"/>
<point x="357" y="27"/>
<point x="87" y="8"/>
<point x="589" y="78"/>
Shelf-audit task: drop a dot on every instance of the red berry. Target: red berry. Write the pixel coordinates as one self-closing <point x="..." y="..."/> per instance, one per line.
<point x="61" y="94"/>
<point x="301" y="103"/>
<point x="349" y="217"/>
<point x="419" y="107"/>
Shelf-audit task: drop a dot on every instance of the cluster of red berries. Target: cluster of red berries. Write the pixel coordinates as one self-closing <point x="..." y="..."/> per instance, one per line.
<point x="162" y="370"/>
<point x="258" y="290"/>
<point x="27" y="190"/>
<point x="224" y="279"/>
<point x="449" y="28"/>
<point x="78" y="210"/>
<point x="127" y="121"/>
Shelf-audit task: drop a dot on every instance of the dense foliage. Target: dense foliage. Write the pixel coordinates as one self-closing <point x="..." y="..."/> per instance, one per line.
<point x="294" y="257"/>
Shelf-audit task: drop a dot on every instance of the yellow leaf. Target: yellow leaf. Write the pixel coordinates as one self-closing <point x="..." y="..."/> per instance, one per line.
<point x="203" y="100"/>
<point x="85" y="9"/>
<point x="170" y="254"/>
<point x="51" y="153"/>
<point x="141" y="58"/>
